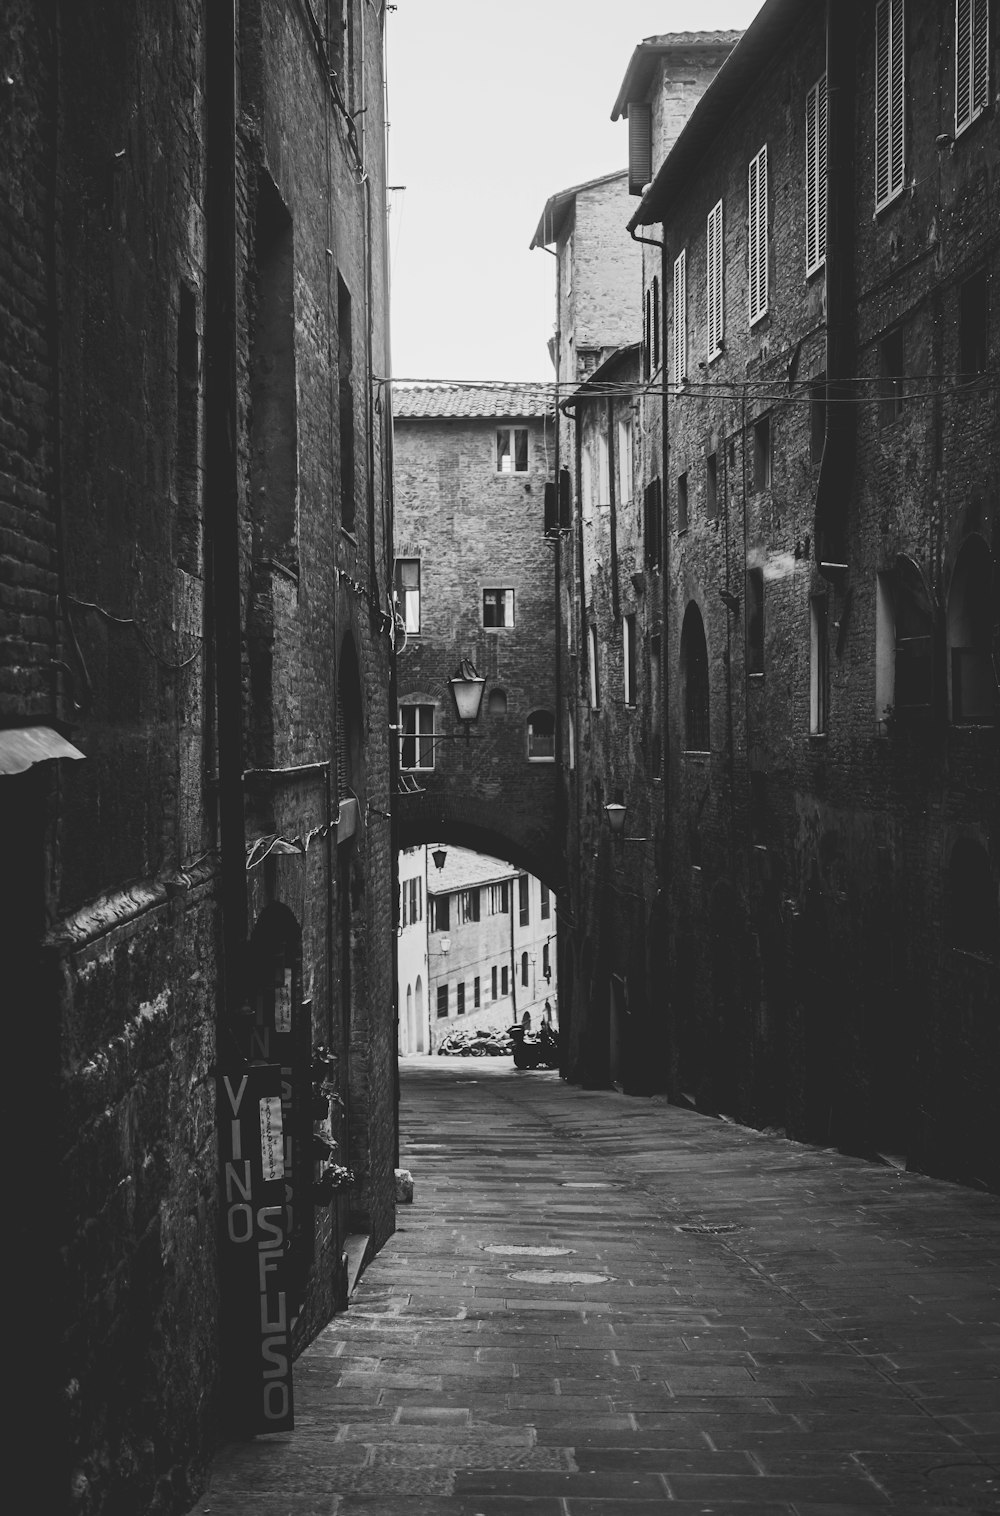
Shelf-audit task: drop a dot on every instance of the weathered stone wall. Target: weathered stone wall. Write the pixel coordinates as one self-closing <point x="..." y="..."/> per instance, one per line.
<point x="103" y="421"/>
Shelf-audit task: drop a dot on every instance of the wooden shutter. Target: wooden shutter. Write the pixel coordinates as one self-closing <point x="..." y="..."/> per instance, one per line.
<point x="713" y="262"/>
<point x="640" y="146"/>
<point x="680" y="319"/>
<point x="972" y="76"/>
<point x="816" y="177"/>
<point x="757" y="235"/>
<point x="889" y="101"/>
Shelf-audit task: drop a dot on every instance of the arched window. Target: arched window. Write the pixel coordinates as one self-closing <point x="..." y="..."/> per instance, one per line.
<point x="542" y="736"/>
<point x="496" y="704"/>
<point x="694" y="674"/>
<point x="904" y="642"/>
<point x="972" y="682"/>
<point x="972" y="900"/>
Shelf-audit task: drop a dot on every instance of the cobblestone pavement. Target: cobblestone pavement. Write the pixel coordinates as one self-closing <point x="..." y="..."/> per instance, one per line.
<point x="599" y="1304"/>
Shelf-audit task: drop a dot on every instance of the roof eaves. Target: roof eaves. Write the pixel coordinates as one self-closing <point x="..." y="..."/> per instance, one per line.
<point x="554" y="213"/>
<point x="642" y="63"/>
<point x="742" y="68"/>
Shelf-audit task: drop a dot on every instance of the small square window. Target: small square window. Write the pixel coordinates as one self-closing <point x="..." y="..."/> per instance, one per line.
<point x="541" y="737"/>
<point x="408" y="592"/>
<point x="712" y="486"/>
<point x="498" y="607"/>
<point x="762" y="454"/>
<point x="512" y="450"/>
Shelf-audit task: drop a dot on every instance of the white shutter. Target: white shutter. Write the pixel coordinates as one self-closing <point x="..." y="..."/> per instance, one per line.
<point x="757" y="236"/>
<point x="890" y="82"/>
<point x="816" y="176"/>
<point x="972" y="76"/>
<point x="713" y="260"/>
<point x="680" y="319"/>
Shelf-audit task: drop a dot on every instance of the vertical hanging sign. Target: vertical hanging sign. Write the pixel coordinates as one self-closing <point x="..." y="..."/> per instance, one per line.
<point x="256" y="1316"/>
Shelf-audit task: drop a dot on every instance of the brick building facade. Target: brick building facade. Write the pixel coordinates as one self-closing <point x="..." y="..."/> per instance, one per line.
<point x="474" y="581"/>
<point x="819" y="899"/>
<point x="197" y="569"/>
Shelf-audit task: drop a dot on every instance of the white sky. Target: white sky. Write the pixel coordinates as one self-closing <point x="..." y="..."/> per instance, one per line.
<point x="492" y="108"/>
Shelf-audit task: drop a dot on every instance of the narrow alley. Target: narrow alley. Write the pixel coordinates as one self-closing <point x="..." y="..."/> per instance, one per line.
<point x="598" y="1304"/>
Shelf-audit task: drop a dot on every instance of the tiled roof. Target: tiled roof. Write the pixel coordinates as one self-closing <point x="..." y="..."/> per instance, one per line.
<point x="463" y="869"/>
<point x="556" y="206"/>
<point x="472" y="400"/>
<point x="642" y="64"/>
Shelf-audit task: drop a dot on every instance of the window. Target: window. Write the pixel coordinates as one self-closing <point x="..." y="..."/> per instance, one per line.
<point x="891" y="362"/>
<point x="476" y="993"/>
<point x="655" y="708"/>
<point x="523" y="909"/>
<point x="682" y="502"/>
<point x="593" y="672"/>
<point x="819" y="665"/>
<point x="505" y="980"/>
<point x="679" y="357"/>
<point x="416" y="724"/>
<point x="402" y="904"/>
<point x="496" y="703"/>
<point x="971" y="618"/>
<point x="817" y="419"/>
<point x="653" y="524"/>
<point x="640" y="145"/>
<point x="603" y="474"/>
<point x="972" y="61"/>
<point x="816" y="177"/>
<point x="712" y="486"/>
<point x="973" y="329"/>
<point x="972" y="900"/>
<point x="541" y="737"/>
<point x="544" y="899"/>
<point x="460" y="998"/>
<point x="904" y="650"/>
<point x="889" y="102"/>
<point x="499" y="899"/>
<point x="757" y="236"/>
<point x="408" y="592"/>
<point x="468" y="906"/>
<point x="416" y="909"/>
<point x="755" y="621"/>
<point x="442" y="1001"/>
<point x="714" y="256"/>
<point x="440" y="913"/>
<point x="628" y="658"/>
<point x="274" y="463"/>
<point x="524" y="968"/>
<point x="624" y="460"/>
<point x="762" y="454"/>
<point x="493" y="982"/>
<point x="694" y="671"/>
<point x="647" y="335"/>
<point x="656" y="321"/>
<point x="512" y="450"/>
<point x="345" y="373"/>
<point x="498" y="607"/>
<point x="546" y="962"/>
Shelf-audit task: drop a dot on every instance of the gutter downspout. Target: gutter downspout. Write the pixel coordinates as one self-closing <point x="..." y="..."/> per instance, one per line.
<point x="836" y="471"/>
<point x="222" y="515"/>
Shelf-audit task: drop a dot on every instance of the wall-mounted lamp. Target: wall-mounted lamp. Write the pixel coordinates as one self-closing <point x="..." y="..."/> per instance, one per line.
<point x="616" y="814"/>
<point x="439" y="855"/>
<point x="467" y="693"/>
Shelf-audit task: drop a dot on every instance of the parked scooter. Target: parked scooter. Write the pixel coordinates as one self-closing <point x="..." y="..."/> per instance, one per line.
<point x="541" y="1052"/>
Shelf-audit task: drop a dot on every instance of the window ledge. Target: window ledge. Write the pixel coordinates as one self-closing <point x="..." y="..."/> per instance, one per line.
<point x="889" y="202"/>
<point x="818" y="737"/>
<point x="977" y="955"/>
<point x="540" y="760"/>
<point x="756" y="674"/>
<point x="696" y="752"/>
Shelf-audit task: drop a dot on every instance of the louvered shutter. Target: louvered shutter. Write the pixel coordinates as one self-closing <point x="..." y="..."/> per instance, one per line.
<point x="816" y="176"/>
<point x="713" y="259"/>
<point x="757" y="236"/>
<point x="972" y="89"/>
<point x="640" y="146"/>
<point x="890" y="81"/>
<point x="680" y="319"/>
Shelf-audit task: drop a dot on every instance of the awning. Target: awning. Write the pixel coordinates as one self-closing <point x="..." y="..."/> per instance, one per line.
<point x="23" y="746"/>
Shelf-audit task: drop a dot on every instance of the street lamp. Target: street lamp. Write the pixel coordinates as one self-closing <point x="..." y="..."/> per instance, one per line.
<point x="467" y="693"/>
<point x="616" y="813"/>
<point x="439" y="855"/>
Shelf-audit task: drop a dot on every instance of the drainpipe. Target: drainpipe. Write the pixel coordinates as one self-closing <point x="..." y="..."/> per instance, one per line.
<point x="222" y="518"/>
<point x="836" y="472"/>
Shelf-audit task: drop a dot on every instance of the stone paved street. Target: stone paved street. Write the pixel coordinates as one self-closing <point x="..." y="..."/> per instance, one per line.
<point x="600" y="1304"/>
